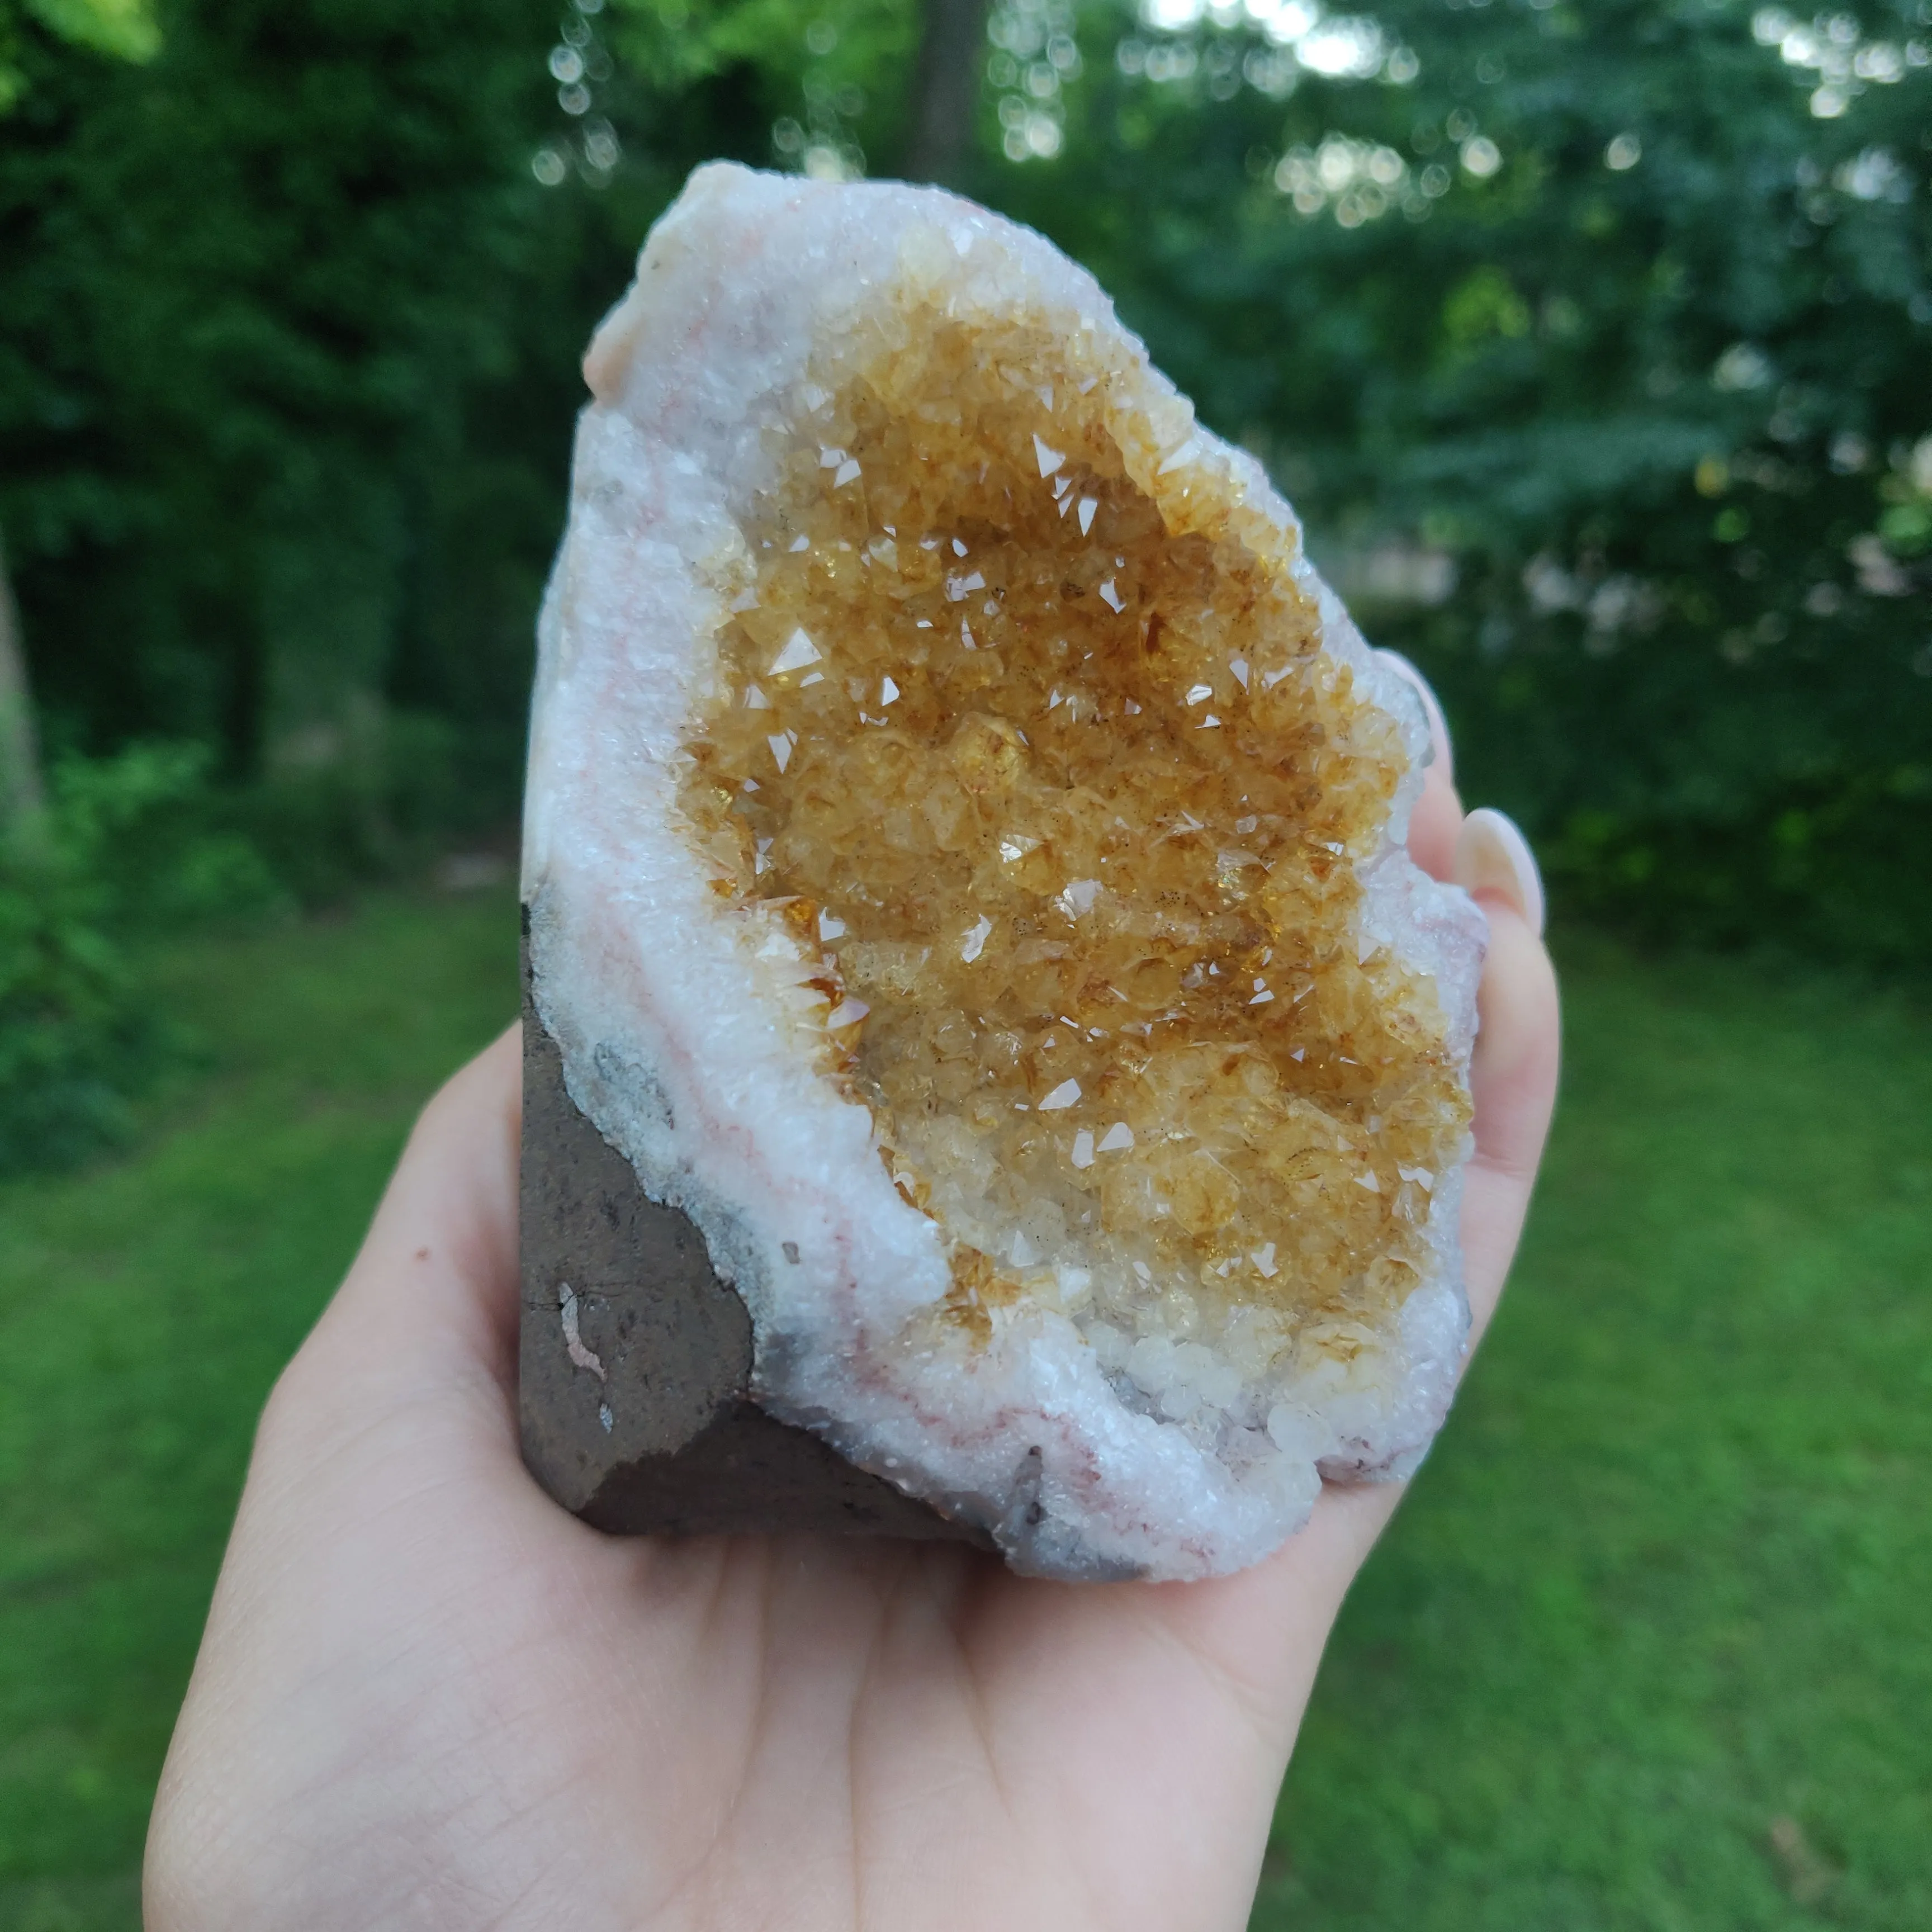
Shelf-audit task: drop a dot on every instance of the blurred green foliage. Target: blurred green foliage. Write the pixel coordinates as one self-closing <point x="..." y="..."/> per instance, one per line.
<point x="128" y="846"/>
<point x="124" y="29"/>
<point x="258" y="288"/>
<point x="1590" y="342"/>
<point x="1594" y="351"/>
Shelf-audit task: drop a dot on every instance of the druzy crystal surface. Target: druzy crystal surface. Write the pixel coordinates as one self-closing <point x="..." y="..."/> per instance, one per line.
<point x="965" y="872"/>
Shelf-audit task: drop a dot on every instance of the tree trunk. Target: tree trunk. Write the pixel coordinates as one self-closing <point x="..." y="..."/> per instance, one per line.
<point x="22" y="794"/>
<point x="946" y="91"/>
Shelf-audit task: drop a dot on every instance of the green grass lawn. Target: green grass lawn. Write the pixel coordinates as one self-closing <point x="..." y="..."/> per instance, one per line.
<point x="1650" y="1646"/>
<point x="145" y="1306"/>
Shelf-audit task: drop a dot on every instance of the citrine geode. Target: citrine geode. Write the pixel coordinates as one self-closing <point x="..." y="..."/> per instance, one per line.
<point x="964" y="880"/>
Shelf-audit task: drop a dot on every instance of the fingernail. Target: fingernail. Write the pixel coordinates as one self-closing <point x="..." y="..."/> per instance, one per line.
<point x="1492" y="856"/>
<point x="1439" y="725"/>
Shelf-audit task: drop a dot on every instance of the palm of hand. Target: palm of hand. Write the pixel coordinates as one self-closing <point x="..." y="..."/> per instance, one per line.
<point x="428" y="1697"/>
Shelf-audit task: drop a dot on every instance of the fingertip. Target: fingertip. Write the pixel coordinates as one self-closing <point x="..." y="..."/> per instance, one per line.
<point x="457" y="1176"/>
<point x="483" y="1098"/>
<point x="1444" y="751"/>
<point x="433" y="1294"/>
<point x="1438" y="815"/>
<point x="1492" y="856"/>
<point x="1434" y="824"/>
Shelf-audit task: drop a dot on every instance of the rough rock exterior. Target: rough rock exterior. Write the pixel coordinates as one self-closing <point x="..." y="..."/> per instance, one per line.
<point x="964" y="880"/>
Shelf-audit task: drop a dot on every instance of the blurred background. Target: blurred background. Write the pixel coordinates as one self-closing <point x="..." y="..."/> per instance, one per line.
<point x="1593" y="342"/>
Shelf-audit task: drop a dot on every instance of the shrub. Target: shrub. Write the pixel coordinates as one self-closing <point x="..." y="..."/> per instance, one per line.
<point x="127" y="846"/>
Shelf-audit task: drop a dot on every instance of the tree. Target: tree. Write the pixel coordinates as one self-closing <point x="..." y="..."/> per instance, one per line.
<point x="1589" y="340"/>
<point x="946" y="91"/>
<point x="121" y="29"/>
<point x="260" y="285"/>
<point x="125" y="30"/>
<point x="1615" y="319"/>
<point x="22" y="794"/>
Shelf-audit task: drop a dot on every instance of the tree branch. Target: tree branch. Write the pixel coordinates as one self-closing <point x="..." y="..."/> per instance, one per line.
<point x="946" y="91"/>
<point x="22" y="794"/>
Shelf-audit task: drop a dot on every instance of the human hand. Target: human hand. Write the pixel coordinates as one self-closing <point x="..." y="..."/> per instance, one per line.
<point x="428" y="1697"/>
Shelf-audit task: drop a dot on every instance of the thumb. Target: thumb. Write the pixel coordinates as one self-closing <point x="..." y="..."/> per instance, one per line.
<point x="429" y="1306"/>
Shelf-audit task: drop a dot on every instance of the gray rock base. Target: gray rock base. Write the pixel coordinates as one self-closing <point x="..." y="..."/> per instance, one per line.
<point x="646" y="1426"/>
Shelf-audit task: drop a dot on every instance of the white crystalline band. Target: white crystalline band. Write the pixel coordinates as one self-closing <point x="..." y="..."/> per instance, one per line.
<point x="676" y="1014"/>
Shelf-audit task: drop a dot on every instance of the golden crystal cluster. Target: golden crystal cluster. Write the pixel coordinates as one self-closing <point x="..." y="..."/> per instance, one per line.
<point x="1046" y="766"/>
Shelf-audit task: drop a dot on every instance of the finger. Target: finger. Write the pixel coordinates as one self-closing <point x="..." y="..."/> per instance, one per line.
<point x="1263" y="1629"/>
<point x="1243" y="1620"/>
<point x="1513" y="1074"/>
<point x="1492" y="857"/>
<point x="431" y="1299"/>
<point x="1513" y="1082"/>
<point x="1438" y="817"/>
<point x="1444" y="763"/>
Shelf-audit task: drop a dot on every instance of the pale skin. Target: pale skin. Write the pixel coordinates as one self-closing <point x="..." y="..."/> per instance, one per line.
<point x="428" y="1698"/>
